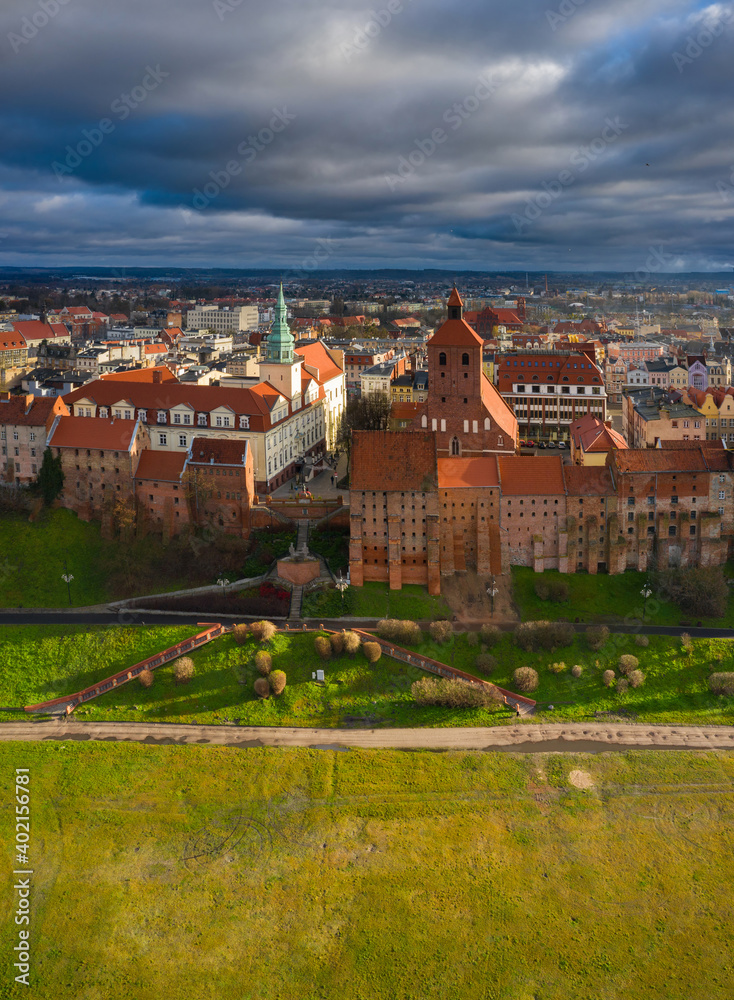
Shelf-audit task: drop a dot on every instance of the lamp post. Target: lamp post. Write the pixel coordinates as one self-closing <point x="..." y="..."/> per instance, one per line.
<point x="492" y="591"/>
<point x="223" y="582"/>
<point x="67" y="577"/>
<point x="341" y="585"/>
<point x="646" y="592"/>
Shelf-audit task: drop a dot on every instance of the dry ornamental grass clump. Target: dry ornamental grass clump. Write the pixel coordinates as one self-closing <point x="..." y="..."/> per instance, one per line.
<point x="146" y="678"/>
<point x="262" y="687"/>
<point x="277" y="682"/>
<point x="628" y="663"/>
<point x="440" y="631"/>
<point x="323" y="646"/>
<point x="183" y="669"/>
<point x="263" y="631"/>
<point x="372" y="651"/>
<point x="577" y="670"/>
<point x="608" y="677"/>
<point x="622" y="685"/>
<point x="239" y="634"/>
<point x="525" y="679"/>
<point x="636" y="678"/>
<point x="722" y="683"/>
<point x="263" y="662"/>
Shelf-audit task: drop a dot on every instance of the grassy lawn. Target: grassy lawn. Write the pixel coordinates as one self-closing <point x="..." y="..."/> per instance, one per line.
<point x="44" y="662"/>
<point x="32" y="561"/>
<point x="166" y="873"/>
<point x="376" y="600"/>
<point x="602" y="598"/>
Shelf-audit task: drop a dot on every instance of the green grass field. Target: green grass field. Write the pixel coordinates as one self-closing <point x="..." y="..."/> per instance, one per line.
<point x="376" y="600"/>
<point x="602" y="598"/>
<point x="42" y="662"/>
<point x="171" y="873"/>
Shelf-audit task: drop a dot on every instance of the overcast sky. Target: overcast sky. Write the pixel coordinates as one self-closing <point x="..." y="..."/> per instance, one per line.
<point x="594" y="134"/>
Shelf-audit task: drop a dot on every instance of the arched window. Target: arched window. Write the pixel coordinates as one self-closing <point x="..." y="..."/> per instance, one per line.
<point x="465" y="359"/>
<point x="565" y="378"/>
<point x="535" y="378"/>
<point x="487" y="424"/>
<point x="580" y="378"/>
<point x="424" y="421"/>
<point x="442" y="358"/>
<point x="455" y="446"/>
<point x="550" y="378"/>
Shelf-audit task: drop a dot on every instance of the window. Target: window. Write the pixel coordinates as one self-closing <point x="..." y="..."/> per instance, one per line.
<point x="722" y="495"/>
<point x="245" y="423"/>
<point x="442" y="359"/>
<point x="465" y="359"/>
<point x="161" y="416"/>
<point x="182" y="440"/>
<point x="201" y="420"/>
<point x="163" y="440"/>
<point x="672" y="530"/>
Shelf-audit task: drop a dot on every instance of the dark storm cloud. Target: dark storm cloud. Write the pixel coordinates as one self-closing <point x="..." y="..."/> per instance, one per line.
<point x="540" y="134"/>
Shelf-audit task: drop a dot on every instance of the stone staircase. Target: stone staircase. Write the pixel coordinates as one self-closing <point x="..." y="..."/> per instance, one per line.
<point x="294" y="614"/>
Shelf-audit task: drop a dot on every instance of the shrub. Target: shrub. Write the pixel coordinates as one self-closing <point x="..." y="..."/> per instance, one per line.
<point x="404" y="633"/>
<point x="454" y="693"/>
<point x="636" y="678"/>
<point x="628" y="662"/>
<point x="277" y="682"/>
<point x="642" y="640"/>
<point x="525" y="679"/>
<point x="239" y="633"/>
<point x="440" y="631"/>
<point x="323" y="646"/>
<point x="262" y="687"/>
<point x="557" y="668"/>
<point x="263" y="631"/>
<point x="486" y="663"/>
<point x="608" y="677"/>
<point x="490" y="635"/>
<point x="622" y="685"/>
<point x="183" y="669"/>
<point x="472" y="638"/>
<point x="701" y="591"/>
<point x="542" y="590"/>
<point x="372" y="651"/>
<point x="146" y="678"/>
<point x="337" y="643"/>
<point x="596" y="637"/>
<point x="577" y="670"/>
<point x="531" y="636"/>
<point x="351" y="641"/>
<point x="559" y="590"/>
<point x="263" y="662"/>
<point x="722" y="683"/>
<point x="687" y="643"/>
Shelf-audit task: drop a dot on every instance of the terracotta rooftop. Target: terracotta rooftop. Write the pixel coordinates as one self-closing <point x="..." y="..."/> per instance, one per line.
<point x="27" y="411"/>
<point x="159" y="373"/>
<point x="657" y="460"/>
<point x="394" y="460"/>
<point x="85" y="432"/>
<point x="33" y="330"/>
<point x="592" y="435"/>
<point x="717" y="445"/>
<point x="462" y="473"/>
<point x="529" y="475"/>
<point x="165" y="466"/>
<point x="218" y="451"/>
<point x="588" y="480"/>
<point x="316" y="356"/>
<point x="455" y="333"/>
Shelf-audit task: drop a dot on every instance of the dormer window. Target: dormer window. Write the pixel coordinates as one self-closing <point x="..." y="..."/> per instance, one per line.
<point x="143" y="416"/>
<point x="244" y="423"/>
<point x="202" y="420"/>
<point x="162" y="417"/>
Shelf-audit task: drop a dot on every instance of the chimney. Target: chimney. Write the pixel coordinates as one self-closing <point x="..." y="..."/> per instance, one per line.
<point x="157" y="378"/>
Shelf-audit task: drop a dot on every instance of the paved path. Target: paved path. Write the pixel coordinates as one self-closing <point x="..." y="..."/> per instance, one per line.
<point x="528" y="738"/>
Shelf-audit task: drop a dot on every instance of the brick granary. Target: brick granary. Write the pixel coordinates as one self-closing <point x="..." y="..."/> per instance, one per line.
<point x="448" y="496"/>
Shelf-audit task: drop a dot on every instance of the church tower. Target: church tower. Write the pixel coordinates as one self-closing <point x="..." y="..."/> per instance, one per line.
<point x="281" y="366"/>
<point x="465" y="410"/>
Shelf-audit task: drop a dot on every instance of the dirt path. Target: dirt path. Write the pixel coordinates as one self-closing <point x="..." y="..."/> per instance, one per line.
<point x="528" y="738"/>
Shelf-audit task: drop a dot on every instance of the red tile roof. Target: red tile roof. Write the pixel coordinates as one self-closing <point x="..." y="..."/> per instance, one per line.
<point x="462" y="473"/>
<point x="455" y="333"/>
<point x="86" y="432"/>
<point x="163" y="466"/>
<point x="27" y="410"/>
<point x="141" y="375"/>
<point x="455" y="298"/>
<point x="33" y="330"/>
<point x="546" y="369"/>
<point x="499" y="410"/>
<point x="394" y="460"/>
<point x="223" y="451"/>
<point x="404" y="410"/>
<point x="717" y="445"/>
<point x="528" y="475"/>
<point x="317" y="357"/>
<point x="656" y="460"/>
<point x="588" y="480"/>
<point x="155" y="349"/>
<point x="591" y="434"/>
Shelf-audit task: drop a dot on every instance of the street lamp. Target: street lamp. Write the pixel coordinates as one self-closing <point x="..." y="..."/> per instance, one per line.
<point x="646" y="592"/>
<point x="223" y="582"/>
<point x="67" y="578"/>
<point x="492" y="591"/>
<point x="341" y="585"/>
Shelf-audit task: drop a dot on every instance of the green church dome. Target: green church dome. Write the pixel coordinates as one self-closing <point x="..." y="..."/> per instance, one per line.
<point x="280" y="340"/>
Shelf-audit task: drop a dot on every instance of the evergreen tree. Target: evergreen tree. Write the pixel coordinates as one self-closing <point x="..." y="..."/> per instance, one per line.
<point x="50" y="481"/>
